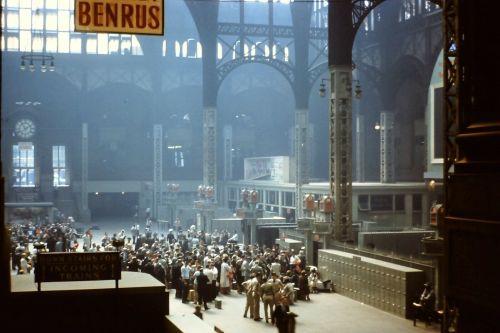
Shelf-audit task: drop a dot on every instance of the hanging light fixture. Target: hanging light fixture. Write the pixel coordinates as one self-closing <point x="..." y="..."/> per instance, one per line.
<point x="357" y="89"/>
<point x="33" y="57"/>
<point x="322" y="87"/>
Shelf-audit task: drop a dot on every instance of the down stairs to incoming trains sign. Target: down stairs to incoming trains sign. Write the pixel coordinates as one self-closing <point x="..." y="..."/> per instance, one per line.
<point x="120" y="16"/>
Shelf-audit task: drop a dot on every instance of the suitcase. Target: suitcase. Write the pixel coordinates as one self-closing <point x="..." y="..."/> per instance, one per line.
<point x="191" y="295"/>
<point x="218" y="303"/>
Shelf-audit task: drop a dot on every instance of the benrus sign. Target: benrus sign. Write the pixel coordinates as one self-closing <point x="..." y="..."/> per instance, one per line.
<point x="119" y="16"/>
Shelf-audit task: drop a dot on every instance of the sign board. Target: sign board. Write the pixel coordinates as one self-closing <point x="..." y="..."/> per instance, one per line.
<point x="275" y="168"/>
<point x="120" y="16"/>
<point x="77" y="266"/>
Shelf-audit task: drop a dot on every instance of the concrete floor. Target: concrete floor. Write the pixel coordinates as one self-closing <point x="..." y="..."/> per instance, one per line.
<point x="324" y="313"/>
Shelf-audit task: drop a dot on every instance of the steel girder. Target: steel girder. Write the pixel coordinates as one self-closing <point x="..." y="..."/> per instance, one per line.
<point x="282" y="67"/>
<point x="260" y="30"/>
<point x="301" y="174"/>
<point x="341" y="150"/>
<point x="452" y="74"/>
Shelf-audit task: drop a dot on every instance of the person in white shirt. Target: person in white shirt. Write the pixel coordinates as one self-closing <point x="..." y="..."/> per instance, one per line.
<point x="195" y="283"/>
<point x="225" y="279"/>
<point x="276" y="267"/>
<point x="214" y="281"/>
<point x="314" y="282"/>
<point x="209" y="272"/>
<point x="24" y="264"/>
<point x="293" y="260"/>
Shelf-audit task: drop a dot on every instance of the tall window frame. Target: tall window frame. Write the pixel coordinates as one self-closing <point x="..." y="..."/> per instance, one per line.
<point x="23" y="162"/>
<point x="24" y="20"/>
<point x="60" y="166"/>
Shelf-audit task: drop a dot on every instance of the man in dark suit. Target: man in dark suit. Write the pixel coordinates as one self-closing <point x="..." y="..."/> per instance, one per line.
<point x="280" y="315"/>
<point x="425" y="308"/>
<point x="202" y="283"/>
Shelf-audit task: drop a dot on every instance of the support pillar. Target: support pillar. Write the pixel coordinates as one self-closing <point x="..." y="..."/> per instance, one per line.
<point x="360" y="148"/>
<point x="228" y="152"/>
<point x="209" y="148"/>
<point x="387" y="170"/>
<point x="253" y="230"/>
<point x="157" y="170"/>
<point x="84" y="202"/>
<point x="341" y="150"/>
<point x="340" y="41"/>
<point x="301" y="125"/>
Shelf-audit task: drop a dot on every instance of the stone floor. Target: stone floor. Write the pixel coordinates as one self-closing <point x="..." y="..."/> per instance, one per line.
<point x="326" y="312"/>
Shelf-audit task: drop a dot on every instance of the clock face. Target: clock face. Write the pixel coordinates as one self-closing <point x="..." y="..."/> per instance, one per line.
<point x="25" y="128"/>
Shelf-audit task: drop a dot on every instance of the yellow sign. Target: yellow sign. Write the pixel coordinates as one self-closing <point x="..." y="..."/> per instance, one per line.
<point x="119" y="16"/>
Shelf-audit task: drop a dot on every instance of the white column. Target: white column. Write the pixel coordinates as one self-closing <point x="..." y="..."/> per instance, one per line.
<point x="209" y="149"/>
<point x="360" y="148"/>
<point x="387" y="170"/>
<point x="301" y="125"/>
<point x="157" y="170"/>
<point x="85" y="212"/>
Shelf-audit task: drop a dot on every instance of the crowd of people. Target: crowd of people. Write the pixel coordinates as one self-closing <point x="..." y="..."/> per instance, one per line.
<point x="30" y="236"/>
<point x="197" y="265"/>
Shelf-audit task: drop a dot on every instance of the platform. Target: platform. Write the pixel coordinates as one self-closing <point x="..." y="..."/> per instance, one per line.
<point x="140" y="303"/>
<point x="326" y="312"/>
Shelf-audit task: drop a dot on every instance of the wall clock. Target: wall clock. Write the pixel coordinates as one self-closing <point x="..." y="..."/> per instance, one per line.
<point x="25" y="128"/>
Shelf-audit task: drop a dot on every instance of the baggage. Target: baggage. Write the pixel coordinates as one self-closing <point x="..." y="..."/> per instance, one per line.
<point x="191" y="295"/>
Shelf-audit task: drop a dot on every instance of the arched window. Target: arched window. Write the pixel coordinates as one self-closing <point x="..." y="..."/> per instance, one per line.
<point x="164" y="48"/>
<point x="280" y="53"/>
<point x="219" y="51"/>
<point x="191" y="49"/>
<point x="199" y="50"/>
<point x="286" y="53"/>
<point x="236" y="50"/>
<point x="177" y="49"/>
<point x="408" y="10"/>
<point x="259" y="49"/>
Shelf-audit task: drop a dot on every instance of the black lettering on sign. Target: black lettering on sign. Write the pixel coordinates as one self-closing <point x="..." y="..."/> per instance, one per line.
<point x="77" y="266"/>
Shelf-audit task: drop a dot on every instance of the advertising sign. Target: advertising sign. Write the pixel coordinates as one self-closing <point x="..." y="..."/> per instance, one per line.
<point x="120" y="16"/>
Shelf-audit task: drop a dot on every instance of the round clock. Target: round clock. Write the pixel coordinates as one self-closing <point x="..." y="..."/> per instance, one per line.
<point x="25" y="128"/>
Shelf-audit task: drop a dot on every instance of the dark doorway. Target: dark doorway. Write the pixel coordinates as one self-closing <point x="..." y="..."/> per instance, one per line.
<point x="112" y="205"/>
<point x="267" y="236"/>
